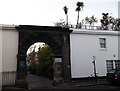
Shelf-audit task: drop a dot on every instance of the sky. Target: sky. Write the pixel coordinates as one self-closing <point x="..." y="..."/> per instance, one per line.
<point x="36" y="46"/>
<point x="47" y="12"/>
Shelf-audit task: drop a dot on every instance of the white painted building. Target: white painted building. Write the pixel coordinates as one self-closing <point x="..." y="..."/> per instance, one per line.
<point x="8" y="52"/>
<point x="85" y="44"/>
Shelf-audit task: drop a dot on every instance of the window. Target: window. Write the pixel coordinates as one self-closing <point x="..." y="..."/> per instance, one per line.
<point x="117" y="64"/>
<point x="102" y="43"/>
<point x="112" y="64"/>
<point x="109" y="64"/>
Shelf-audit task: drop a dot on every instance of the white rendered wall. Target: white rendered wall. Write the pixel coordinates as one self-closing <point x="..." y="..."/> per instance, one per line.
<point x="85" y="45"/>
<point x="9" y="49"/>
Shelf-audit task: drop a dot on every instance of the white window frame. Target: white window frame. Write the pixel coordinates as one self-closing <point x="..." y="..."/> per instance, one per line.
<point x="103" y="49"/>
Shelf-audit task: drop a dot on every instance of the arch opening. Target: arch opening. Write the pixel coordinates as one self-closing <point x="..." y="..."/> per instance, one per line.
<point x="40" y="60"/>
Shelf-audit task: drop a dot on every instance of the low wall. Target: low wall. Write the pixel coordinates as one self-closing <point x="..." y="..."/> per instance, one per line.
<point x="8" y="78"/>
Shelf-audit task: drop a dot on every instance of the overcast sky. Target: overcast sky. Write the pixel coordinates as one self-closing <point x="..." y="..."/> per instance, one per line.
<point x="46" y="12"/>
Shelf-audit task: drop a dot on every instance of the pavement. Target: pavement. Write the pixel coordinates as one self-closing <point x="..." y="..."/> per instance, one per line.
<point x="35" y="81"/>
<point x="38" y="82"/>
<point x="83" y="83"/>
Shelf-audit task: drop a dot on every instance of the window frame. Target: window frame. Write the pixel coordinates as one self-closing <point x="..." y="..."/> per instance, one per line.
<point x="103" y="44"/>
<point x="112" y="64"/>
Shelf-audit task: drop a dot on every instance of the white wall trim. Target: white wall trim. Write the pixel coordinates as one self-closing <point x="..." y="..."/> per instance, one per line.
<point x="95" y="32"/>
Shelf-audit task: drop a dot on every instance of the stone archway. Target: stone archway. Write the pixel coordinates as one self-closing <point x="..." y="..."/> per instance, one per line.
<point x="58" y="38"/>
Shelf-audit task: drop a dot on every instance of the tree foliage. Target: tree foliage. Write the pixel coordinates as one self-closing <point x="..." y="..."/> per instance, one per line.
<point x="33" y="68"/>
<point x="60" y="23"/>
<point x="65" y="9"/>
<point x="44" y="64"/>
<point x="91" y="20"/>
<point x="45" y="58"/>
<point x="115" y="23"/>
<point x="110" y="21"/>
<point x="104" y="21"/>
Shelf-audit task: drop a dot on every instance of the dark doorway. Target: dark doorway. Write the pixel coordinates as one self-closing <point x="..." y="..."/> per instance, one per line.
<point x="58" y="38"/>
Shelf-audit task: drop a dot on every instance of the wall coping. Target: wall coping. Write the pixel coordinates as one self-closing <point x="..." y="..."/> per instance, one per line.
<point x="95" y="32"/>
<point x="7" y="27"/>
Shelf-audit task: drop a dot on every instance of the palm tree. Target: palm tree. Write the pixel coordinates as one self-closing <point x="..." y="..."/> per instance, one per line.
<point x="66" y="12"/>
<point x="80" y="6"/>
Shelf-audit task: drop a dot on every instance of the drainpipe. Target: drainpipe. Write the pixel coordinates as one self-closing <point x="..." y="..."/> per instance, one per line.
<point x="94" y="64"/>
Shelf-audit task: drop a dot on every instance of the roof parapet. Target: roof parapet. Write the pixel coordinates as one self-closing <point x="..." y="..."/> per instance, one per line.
<point x="7" y="27"/>
<point x="95" y="32"/>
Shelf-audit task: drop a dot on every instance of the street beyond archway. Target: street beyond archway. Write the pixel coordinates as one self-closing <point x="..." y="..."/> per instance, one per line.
<point x="35" y="82"/>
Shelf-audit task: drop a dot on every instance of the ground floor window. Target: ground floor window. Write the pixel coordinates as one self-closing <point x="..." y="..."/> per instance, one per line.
<point x="112" y="64"/>
<point x="117" y="64"/>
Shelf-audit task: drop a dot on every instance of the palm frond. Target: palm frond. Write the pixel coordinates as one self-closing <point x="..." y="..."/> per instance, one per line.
<point x="65" y="9"/>
<point x="80" y="6"/>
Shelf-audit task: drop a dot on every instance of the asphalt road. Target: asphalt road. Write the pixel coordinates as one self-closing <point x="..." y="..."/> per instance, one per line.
<point x="107" y="87"/>
<point x="37" y="83"/>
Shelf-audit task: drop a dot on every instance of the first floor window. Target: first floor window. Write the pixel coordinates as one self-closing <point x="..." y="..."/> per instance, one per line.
<point x="102" y="42"/>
